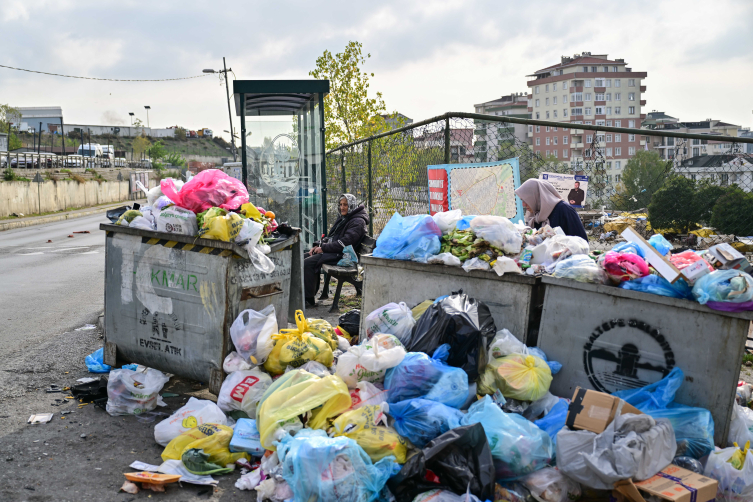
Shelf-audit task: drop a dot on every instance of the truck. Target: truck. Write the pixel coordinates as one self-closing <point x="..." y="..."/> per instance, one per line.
<point x="205" y="133"/>
<point x="90" y="150"/>
<point x="191" y="134"/>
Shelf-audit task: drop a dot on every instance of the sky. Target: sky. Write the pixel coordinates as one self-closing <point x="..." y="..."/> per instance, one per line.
<point x="428" y="57"/>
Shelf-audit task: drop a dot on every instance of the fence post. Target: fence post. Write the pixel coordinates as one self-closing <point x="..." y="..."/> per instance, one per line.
<point x="342" y="165"/>
<point x="447" y="140"/>
<point x="371" y="200"/>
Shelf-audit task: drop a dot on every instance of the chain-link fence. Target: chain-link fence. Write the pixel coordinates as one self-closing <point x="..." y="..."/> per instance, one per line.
<point x="652" y="179"/>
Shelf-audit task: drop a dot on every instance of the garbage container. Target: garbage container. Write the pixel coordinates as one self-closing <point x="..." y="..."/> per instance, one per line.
<point x="170" y="299"/>
<point x="610" y="339"/>
<point x="514" y="300"/>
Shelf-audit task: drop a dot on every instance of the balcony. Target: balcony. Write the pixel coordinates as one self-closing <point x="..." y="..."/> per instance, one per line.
<point x="643" y="88"/>
<point x="576" y="145"/>
<point x="576" y="131"/>
<point x="643" y="142"/>
<point x="643" y="102"/>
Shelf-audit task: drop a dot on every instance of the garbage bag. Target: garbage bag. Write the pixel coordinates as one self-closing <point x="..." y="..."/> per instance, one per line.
<point x="428" y="378"/>
<point x="378" y="441"/>
<point x="694" y="429"/>
<point x="459" y="458"/>
<point x="349" y="325"/>
<point x="688" y="463"/>
<point x="127" y="217"/>
<point x="517" y="376"/>
<point x="518" y="446"/>
<point x="320" y="328"/>
<point x="632" y="446"/>
<point x="95" y="362"/>
<point x="142" y="223"/>
<point x="464" y="223"/>
<point x="550" y="485"/>
<point x="234" y="362"/>
<point x="464" y="323"/>
<point x="197" y="462"/>
<point x="349" y="259"/>
<point x="327" y="469"/>
<point x="657" y="285"/>
<point x="505" y="343"/>
<point x="177" y="220"/>
<point x="735" y="485"/>
<point x="741" y="426"/>
<point x="209" y="188"/>
<point x="296" y="393"/>
<point x="393" y="318"/>
<point x="476" y="264"/>
<point x="241" y="390"/>
<point x="660" y="244"/>
<point x="623" y="266"/>
<point x="580" y="268"/>
<point x="421" y="420"/>
<point x="655" y="396"/>
<point x="213" y="439"/>
<point x="369" y="361"/>
<point x="250" y="232"/>
<point x="504" y="265"/>
<point x="192" y="414"/>
<point x="732" y="286"/>
<point x="295" y="347"/>
<point x="540" y="407"/>
<point x="246" y="438"/>
<point x="408" y="238"/>
<point x="629" y="247"/>
<point x="114" y="214"/>
<point x="132" y="392"/>
<point x="220" y="225"/>
<point x="367" y="394"/>
<point x="557" y="248"/>
<point x="448" y="259"/>
<point x="252" y="333"/>
<point x="555" y="420"/>
<point x="682" y="260"/>
<point x="499" y="232"/>
<point x="446" y="220"/>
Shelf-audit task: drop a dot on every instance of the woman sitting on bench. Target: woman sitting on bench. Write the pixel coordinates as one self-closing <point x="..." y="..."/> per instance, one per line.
<point x="349" y="230"/>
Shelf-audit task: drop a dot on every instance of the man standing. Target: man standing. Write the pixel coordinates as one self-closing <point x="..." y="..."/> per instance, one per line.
<point x="576" y="195"/>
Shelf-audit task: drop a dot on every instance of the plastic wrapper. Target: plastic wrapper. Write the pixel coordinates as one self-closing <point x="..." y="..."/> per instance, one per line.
<point x="732" y="286"/>
<point x="540" y="407"/>
<point x="367" y="394"/>
<point x="518" y="446"/>
<point x="408" y="238"/>
<point x="252" y="333"/>
<point x="517" y="376"/>
<point x="448" y="259"/>
<point x="557" y="248"/>
<point x="127" y="217"/>
<point x="234" y="362"/>
<point x="378" y="441"/>
<point x="549" y="485"/>
<point x="682" y="260"/>
<point x="209" y="188"/>
<point x="250" y="232"/>
<point x="177" y="220"/>
<point x="447" y="220"/>
<point x="192" y="414"/>
<point x="459" y="458"/>
<point x="629" y="247"/>
<point x="420" y="376"/>
<point x="624" y="266"/>
<point x="555" y="420"/>
<point x="511" y="492"/>
<point x="688" y="463"/>
<point x="660" y="244"/>
<point x="132" y="392"/>
<point x="220" y="225"/>
<point x="464" y="323"/>
<point x="393" y="318"/>
<point x="475" y="264"/>
<point x="326" y="469"/>
<point x="369" y="361"/>
<point x="349" y="259"/>
<point x="504" y="265"/>
<point x="143" y="223"/>
<point x="240" y="383"/>
<point x="95" y="362"/>
<point x="421" y="420"/>
<point x="657" y="285"/>
<point x="580" y="268"/>
<point x="499" y="232"/>
<point x="246" y="438"/>
<point x="735" y="485"/>
<point x="655" y="396"/>
<point x="213" y="439"/>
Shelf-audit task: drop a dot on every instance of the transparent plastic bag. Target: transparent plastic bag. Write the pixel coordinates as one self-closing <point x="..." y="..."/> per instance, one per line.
<point x="656" y="285"/>
<point x="250" y="232"/>
<point x="447" y="220"/>
<point x="549" y="485"/>
<point x="732" y="286"/>
<point x="378" y="441"/>
<point x="655" y="396"/>
<point x="557" y="248"/>
<point x="660" y="244"/>
<point x="476" y="264"/>
<point x="192" y="414"/>
<point x="260" y="261"/>
<point x="349" y="259"/>
<point x="393" y="318"/>
<point x="142" y="223"/>
<point x="741" y="426"/>
<point x="448" y="259"/>
<point x="252" y="333"/>
<point x="518" y="376"/>
<point x="367" y="394"/>
<point x="422" y="420"/>
<point x="734" y="485"/>
<point x="234" y="362"/>
<point x="464" y="223"/>
<point x="132" y="392"/>
<point x="499" y="232"/>
<point x="504" y="265"/>
<point x="369" y="361"/>
<point x="209" y="188"/>
<point x="629" y="247"/>
<point x="505" y="343"/>
<point x="408" y="238"/>
<point x="580" y="268"/>
<point x="240" y="383"/>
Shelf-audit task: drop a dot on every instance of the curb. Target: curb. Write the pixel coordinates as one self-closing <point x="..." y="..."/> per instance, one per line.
<point x="39" y="220"/>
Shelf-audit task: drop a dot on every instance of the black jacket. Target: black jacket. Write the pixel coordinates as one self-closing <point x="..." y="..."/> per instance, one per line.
<point x="347" y="231"/>
<point x="565" y="217"/>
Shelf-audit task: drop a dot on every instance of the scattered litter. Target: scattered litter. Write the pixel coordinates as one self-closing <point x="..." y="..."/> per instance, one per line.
<point x="70" y="236"/>
<point x="40" y="418"/>
<point x="87" y="379"/>
<point x="82" y="232"/>
<point x="86" y="327"/>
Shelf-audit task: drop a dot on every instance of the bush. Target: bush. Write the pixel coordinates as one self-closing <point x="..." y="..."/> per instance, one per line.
<point x="731" y="213"/>
<point x="674" y="206"/>
<point x="707" y="197"/>
<point x="78" y="177"/>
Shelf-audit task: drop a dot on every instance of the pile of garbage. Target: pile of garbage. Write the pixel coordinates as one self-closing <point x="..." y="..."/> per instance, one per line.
<point x="718" y="277"/>
<point x="211" y="205"/>
<point x="430" y="403"/>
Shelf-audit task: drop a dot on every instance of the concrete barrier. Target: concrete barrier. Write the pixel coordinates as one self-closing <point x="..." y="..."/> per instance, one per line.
<point x="33" y="198"/>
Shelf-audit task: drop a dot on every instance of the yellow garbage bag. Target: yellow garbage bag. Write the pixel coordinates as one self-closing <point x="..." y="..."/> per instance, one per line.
<point x="377" y="441"/>
<point x="296" y="393"/>
<point x="214" y="439"/>
<point x="295" y="347"/>
<point x="220" y="225"/>
<point x="249" y="211"/>
<point x="517" y="376"/>
<point x="738" y="458"/>
<point x="318" y="327"/>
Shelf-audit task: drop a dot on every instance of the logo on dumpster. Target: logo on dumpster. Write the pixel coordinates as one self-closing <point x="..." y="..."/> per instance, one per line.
<point x="626" y="354"/>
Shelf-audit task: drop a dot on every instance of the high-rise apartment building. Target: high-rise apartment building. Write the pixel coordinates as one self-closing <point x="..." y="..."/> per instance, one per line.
<point x="587" y="89"/>
<point x="495" y="140"/>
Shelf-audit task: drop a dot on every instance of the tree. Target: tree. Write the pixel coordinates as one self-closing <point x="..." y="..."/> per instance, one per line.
<point x="706" y="198"/>
<point x="180" y="133"/>
<point x="643" y="175"/>
<point x="9" y="115"/>
<point x="140" y="145"/>
<point x="731" y="214"/>
<point x="675" y="205"/>
<point x="157" y="151"/>
<point x="349" y="112"/>
<point x="176" y="159"/>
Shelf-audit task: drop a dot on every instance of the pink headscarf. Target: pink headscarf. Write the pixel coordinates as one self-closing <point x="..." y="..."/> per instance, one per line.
<point x="541" y="197"/>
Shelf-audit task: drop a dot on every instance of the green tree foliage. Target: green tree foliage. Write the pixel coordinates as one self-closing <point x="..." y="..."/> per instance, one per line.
<point x="180" y="133"/>
<point x="349" y="112"/>
<point x="674" y="205"/>
<point x="157" y="151"/>
<point x="140" y="145"/>
<point x="707" y="195"/>
<point x="731" y="213"/>
<point x="176" y="159"/>
<point x="643" y="175"/>
<point x="9" y="114"/>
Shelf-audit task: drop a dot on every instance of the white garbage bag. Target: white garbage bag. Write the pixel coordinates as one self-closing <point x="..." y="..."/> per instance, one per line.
<point x="448" y="259"/>
<point x="243" y="387"/>
<point x="394" y="319"/>
<point x="176" y="220"/>
<point x="504" y="265"/>
<point x="734" y="485"/>
<point x="252" y="333"/>
<point x="741" y="427"/>
<point x="194" y="413"/>
<point x="369" y="361"/>
<point x="447" y="220"/>
<point x="132" y="392"/>
<point x="557" y="248"/>
<point x="234" y="362"/>
<point x="499" y="232"/>
<point x="141" y="222"/>
<point x="505" y="343"/>
<point x="475" y="264"/>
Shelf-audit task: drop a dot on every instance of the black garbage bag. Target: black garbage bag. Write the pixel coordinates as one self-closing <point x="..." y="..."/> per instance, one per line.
<point x="458" y="459"/>
<point x="350" y="321"/>
<point x="114" y="214"/>
<point x="465" y="323"/>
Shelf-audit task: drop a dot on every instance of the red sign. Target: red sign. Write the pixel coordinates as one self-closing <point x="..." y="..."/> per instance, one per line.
<point x="438" y="189"/>
<point x="240" y="390"/>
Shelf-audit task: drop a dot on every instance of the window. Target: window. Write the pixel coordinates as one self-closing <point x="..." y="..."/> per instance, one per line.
<point x="631" y="150"/>
<point x="588" y="96"/>
<point x="588" y="111"/>
<point x="564" y="112"/>
<point x="608" y="96"/>
<point x="631" y="123"/>
<point x="564" y="154"/>
<point x="609" y="123"/>
<point x="631" y="138"/>
<point x="609" y="164"/>
<point x="564" y="85"/>
<point x="554" y="86"/>
<point x="617" y="111"/>
<point x="577" y="111"/>
<point x="547" y="128"/>
<point x="600" y="138"/>
<point x="555" y="153"/>
<point x="600" y="110"/>
<point x="538" y="141"/>
<point x="609" y="178"/>
<point x="547" y="114"/>
<point x="588" y="122"/>
<point x="617" y="163"/>
<point x="585" y="69"/>
<point x="609" y="110"/>
<point x="546" y="88"/>
<point x="554" y="129"/>
<point x="617" y="82"/>
<point x="537" y="89"/>
<point x="606" y="68"/>
<point x="631" y="96"/>
<point x="538" y="128"/>
<point x="547" y="141"/>
<point x="546" y="102"/>
<point x="631" y="110"/>
<point x="609" y="138"/>
<point x="617" y="137"/>
<point x="547" y="153"/>
<point x="696" y="152"/>
<point x="631" y="82"/>
<point x="600" y="97"/>
<point x="614" y="68"/>
<point x="538" y="103"/>
<point x="530" y="129"/>
<point x="692" y="177"/>
<point x="578" y="96"/>
<point x="555" y="139"/>
<point x="618" y="96"/>
<point x="617" y="177"/>
<point x="617" y="153"/>
<point x="594" y="69"/>
<point x="608" y="82"/>
<point x="555" y="113"/>
<point x="554" y="100"/>
<point x="589" y="139"/>
<point x="600" y="122"/>
<point x="538" y="115"/>
<point x="609" y="152"/>
<point x="565" y="139"/>
<point x="696" y="141"/>
<point x="564" y="99"/>
<point x="587" y="83"/>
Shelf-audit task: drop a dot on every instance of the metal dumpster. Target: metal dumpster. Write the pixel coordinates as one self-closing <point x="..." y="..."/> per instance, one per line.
<point x="170" y="299"/>
<point x="514" y="300"/>
<point x="610" y="339"/>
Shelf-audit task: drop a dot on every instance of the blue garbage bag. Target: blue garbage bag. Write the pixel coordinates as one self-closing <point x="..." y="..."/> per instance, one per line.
<point x="629" y="247"/>
<point x="724" y="286"/>
<point x="349" y="258"/>
<point x="554" y="366"/>
<point x="95" y="362"/>
<point x="554" y="421"/>
<point x="336" y="469"/>
<point x="465" y="222"/>
<point x="421" y="376"/>
<point x="660" y="244"/>
<point x="409" y="238"/>
<point x="518" y="446"/>
<point x="659" y="286"/>
<point x="421" y="420"/>
<point x="655" y="396"/>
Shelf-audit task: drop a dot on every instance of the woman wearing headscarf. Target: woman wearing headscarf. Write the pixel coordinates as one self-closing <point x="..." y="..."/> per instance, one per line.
<point x="348" y="230"/>
<point x="544" y="205"/>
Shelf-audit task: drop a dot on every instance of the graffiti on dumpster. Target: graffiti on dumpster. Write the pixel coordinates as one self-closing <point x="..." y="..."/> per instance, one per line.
<point x="161" y="325"/>
<point x="247" y="274"/>
<point x="626" y="354"/>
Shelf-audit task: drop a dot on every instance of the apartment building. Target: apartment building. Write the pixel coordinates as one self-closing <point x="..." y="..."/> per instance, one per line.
<point x="587" y="89"/>
<point x="669" y="148"/>
<point x="494" y="139"/>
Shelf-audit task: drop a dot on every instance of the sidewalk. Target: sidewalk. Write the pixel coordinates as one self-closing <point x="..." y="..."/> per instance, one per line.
<point x="28" y="221"/>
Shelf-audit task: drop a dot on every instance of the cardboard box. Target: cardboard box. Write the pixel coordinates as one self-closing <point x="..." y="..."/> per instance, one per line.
<point x="695" y="271"/>
<point x="594" y="411"/>
<point x="726" y="257"/>
<point x="676" y="484"/>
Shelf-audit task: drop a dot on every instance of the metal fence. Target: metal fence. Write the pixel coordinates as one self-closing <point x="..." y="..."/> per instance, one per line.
<point x="694" y="180"/>
<point x="30" y="160"/>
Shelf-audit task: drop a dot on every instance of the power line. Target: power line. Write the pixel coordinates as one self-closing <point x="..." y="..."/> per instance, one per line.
<point x="106" y="79"/>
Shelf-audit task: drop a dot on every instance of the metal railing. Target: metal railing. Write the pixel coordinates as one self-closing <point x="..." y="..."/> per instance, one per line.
<point x="29" y="160"/>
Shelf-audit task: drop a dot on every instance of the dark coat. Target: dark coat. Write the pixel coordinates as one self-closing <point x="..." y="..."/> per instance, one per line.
<point x="347" y="231"/>
<point x="564" y="216"/>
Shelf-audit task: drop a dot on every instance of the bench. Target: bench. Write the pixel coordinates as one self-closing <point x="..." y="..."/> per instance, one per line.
<point x="344" y="274"/>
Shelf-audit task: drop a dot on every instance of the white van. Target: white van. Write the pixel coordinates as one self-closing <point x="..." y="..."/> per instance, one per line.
<point x="90" y="150"/>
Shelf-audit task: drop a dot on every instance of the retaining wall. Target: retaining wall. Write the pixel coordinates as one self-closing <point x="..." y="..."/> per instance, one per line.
<point x="30" y="198"/>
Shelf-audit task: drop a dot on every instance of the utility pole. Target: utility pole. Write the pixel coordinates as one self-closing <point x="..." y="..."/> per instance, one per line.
<point x="39" y="143"/>
<point x="230" y="114"/>
<point x="62" y="131"/>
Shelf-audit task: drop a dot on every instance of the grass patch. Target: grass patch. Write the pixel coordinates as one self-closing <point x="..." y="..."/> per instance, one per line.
<point x="353" y="302"/>
<point x="66" y="171"/>
<point x="10" y="175"/>
<point x="747" y="358"/>
<point x="79" y="178"/>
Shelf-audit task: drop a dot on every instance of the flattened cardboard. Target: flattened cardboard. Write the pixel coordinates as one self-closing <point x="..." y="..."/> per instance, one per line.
<point x="676" y="484"/>
<point x="662" y="265"/>
<point x="594" y="411"/>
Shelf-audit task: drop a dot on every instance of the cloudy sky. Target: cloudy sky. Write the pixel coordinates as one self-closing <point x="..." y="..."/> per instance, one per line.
<point x="429" y="57"/>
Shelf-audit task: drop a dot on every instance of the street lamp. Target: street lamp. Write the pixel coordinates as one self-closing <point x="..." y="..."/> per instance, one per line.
<point x="227" y="90"/>
<point x="131" y="114"/>
<point x="147" y="115"/>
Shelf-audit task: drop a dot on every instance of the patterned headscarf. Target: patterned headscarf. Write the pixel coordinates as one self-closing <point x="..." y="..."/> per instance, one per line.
<point x="352" y="203"/>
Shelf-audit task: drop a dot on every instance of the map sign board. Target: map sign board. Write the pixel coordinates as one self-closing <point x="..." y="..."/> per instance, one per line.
<point x="485" y="188"/>
<point x="572" y="188"/>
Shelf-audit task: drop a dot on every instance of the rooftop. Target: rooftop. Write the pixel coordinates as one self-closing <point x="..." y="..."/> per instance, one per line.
<point x="713" y="160"/>
<point x="586" y="58"/>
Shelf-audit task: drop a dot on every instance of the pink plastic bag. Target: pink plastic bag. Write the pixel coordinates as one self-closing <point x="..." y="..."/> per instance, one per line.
<point x="624" y="266"/>
<point x="682" y="260"/>
<point x="210" y="188"/>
